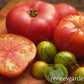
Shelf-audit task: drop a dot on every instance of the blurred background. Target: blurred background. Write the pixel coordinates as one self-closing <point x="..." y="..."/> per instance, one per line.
<point x="79" y="4"/>
<point x="3" y="3"/>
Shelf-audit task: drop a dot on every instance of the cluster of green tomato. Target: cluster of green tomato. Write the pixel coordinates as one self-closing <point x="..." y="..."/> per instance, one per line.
<point x="54" y="65"/>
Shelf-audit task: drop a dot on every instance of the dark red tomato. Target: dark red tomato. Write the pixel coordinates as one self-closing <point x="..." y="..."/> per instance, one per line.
<point x="36" y="20"/>
<point x="69" y="35"/>
<point x="65" y="9"/>
<point x="16" y="52"/>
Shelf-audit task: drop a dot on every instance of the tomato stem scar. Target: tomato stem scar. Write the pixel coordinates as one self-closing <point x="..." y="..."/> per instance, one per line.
<point x="33" y="13"/>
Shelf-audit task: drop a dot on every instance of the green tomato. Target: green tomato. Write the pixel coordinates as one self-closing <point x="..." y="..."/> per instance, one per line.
<point x="66" y="58"/>
<point x="55" y="74"/>
<point x="38" y="69"/>
<point x="46" y="51"/>
<point x="79" y="75"/>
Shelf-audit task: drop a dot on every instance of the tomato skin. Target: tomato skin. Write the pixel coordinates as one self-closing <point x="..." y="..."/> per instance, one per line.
<point x="66" y="58"/>
<point x="36" y="28"/>
<point x="65" y="9"/>
<point x="69" y="35"/>
<point x="46" y="51"/>
<point x="79" y="73"/>
<point x="16" y="53"/>
<point x="38" y="69"/>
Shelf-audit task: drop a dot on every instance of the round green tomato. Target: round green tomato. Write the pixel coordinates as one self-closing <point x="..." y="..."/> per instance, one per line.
<point x="66" y="58"/>
<point x="79" y="75"/>
<point x="46" y="51"/>
<point x="38" y="69"/>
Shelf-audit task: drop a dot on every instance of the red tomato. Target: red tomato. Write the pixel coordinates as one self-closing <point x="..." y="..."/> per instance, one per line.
<point x="65" y="9"/>
<point x="36" y="20"/>
<point x="69" y="35"/>
<point x="16" y="52"/>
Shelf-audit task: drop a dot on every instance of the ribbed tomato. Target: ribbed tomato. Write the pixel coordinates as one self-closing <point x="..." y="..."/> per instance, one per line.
<point x="69" y="35"/>
<point x="16" y="52"/>
<point x="35" y="20"/>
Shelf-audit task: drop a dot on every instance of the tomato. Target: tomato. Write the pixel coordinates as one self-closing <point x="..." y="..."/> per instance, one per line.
<point x="35" y="20"/>
<point x="38" y="69"/>
<point x="16" y="53"/>
<point x="55" y="74"/>
<point x="79" y="75"/>
<point x="69" y="35"/>
<point x="46" y="51"/>
<point x="65" y="9"/>
<point x="66" y="58"/>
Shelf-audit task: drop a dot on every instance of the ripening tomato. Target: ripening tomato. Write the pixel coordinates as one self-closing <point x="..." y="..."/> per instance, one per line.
<point x="69" y="35"/>
<point x="79" y="74"/>
<point x="65" y="9"/>
<point x="35" y="20"/>
<point x="38" y="69"/>
<point x="16" y="52"/>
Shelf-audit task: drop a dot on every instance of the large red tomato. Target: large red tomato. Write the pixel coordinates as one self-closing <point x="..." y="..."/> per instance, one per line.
<point x="16" y="52"/>
<point x="35" y="20"/>
<point x="65" y="9"/>
<point x="69" y="35"/>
